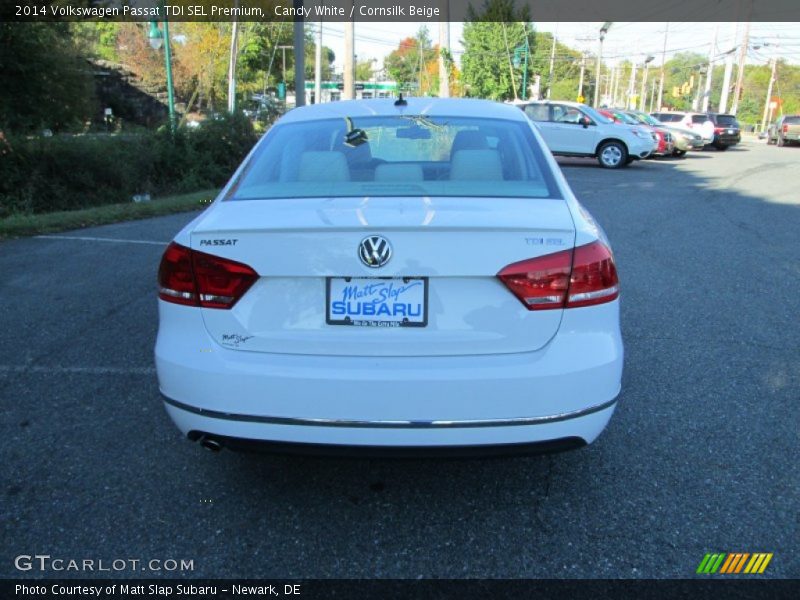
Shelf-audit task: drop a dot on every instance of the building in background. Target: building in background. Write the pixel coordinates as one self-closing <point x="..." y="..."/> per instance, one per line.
<point x="332" y="90"/>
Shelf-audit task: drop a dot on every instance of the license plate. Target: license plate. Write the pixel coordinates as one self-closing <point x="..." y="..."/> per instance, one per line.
<point x="377" y="302"/>
<point x="730" y="131"/>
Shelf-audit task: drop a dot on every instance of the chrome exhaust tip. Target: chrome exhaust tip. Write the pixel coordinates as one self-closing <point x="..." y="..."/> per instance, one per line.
<point x="210" y="444"/>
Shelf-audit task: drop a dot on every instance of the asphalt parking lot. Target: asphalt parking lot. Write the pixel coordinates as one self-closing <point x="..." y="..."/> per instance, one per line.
<point x="701" y="455"/>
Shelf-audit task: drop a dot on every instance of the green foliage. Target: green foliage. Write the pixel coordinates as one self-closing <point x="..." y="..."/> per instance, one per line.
<point x="43" y="82"/>
<point x="96" y="39"/>
<point x="566" y="67"/>
<point x="364" y="70"/>
<point x="407" y="64"/>
<point x="490" y="39"/>
<point x="21" y="224"/>
<point x="41" y="175"/>
<point x="682" y="71"/>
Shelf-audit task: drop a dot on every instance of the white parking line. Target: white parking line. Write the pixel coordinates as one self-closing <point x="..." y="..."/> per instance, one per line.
<point x="99" y="239"/>
<point x="56" y="370"/>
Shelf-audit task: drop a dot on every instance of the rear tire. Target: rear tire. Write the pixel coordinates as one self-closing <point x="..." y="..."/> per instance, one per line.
<point x="679" y="153"/>
<point x="612" y="155"/>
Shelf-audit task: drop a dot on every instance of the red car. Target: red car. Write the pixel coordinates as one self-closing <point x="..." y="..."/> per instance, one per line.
<point x="662" y="136"/>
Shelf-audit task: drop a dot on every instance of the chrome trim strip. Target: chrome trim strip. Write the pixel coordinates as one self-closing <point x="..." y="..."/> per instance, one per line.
<point x="306" y="422"/>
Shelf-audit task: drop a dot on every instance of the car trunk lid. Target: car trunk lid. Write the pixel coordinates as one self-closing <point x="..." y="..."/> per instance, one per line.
<point x="457" y="245"/>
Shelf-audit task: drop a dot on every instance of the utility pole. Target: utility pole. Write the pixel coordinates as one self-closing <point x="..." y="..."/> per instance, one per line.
<point x="510" y="65"/>
<point x="711" y="52"/>
<point x="299" y="56"/>
<point x="663" y="62"/>
<point x="603" y="31"/>
<point x="632" y="86"/>
<point x="349" y="91"/>
<point x="552" y="65"/>
<point x="769" y="94"/>
<point x="652" y="95"/>
<point x="726" y="77"/>
<point x="643" y="92"/>
<point x="580" y="84"/>
<point x="444" y="53"/>
<point x="232" y="64"/>
<point x="318" y="67"/>
<point x="740" y="76"/>
<point x="283" y="49"/>
<point x="726" y="83"/>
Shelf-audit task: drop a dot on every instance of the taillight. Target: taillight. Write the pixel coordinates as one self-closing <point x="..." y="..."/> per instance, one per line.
<point x="198" y="279"/>
<point x="719" y="129"/>
<point x="567" y="279"/>
<point x="594" y="276"/>
<point x="540" y="283"/>
<point x="175" y="279"/>
<point x="785" y="128"/>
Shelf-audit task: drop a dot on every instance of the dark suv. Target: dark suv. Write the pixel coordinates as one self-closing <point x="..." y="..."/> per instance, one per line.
<point x="726" y="130"/>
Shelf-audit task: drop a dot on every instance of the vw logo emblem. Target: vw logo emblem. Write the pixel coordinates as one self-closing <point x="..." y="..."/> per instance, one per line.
<point x="374" y="251"/>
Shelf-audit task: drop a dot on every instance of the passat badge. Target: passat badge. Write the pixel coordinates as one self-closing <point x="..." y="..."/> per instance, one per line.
<point x="374" y="251"/>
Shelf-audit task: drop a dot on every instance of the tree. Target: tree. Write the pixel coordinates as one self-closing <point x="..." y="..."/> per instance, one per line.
<point x="43" y="81"/>
<point x="407" y="64"/>
<point x="682" y="75"/>
<point x="96" y="39"/>
<point x="364" y="69"/>
<point x="490" y="40"/>
<point x="566" y="67"/>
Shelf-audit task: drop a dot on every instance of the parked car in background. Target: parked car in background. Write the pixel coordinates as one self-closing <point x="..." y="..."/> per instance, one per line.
<point x="683" y="138"/>
<point x="697" y="122"/>
<point x="574" y="129"/>
<point x="662" y="138"/>
<point x="392" y="276"/>
<point x="727" y="132"/>
<point x="718" y="130"/>
<point x="786" y="130"/>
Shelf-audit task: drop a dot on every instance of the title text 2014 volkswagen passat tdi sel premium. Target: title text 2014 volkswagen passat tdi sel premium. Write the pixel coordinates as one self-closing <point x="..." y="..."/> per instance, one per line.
<point x="410" y="275"/>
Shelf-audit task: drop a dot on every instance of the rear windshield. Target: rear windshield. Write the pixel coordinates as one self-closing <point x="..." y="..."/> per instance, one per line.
<point x="792" y="120"/>
<point x="403" y="155"/>
<point x="626" y="118"/>
<point x="727" y="121"/>
<point x="647" y="119"/>
<point x="669" y="117"/>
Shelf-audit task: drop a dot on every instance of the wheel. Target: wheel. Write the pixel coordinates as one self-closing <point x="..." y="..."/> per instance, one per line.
<point x="612" y="155"/>
<point x="781" y="141"/>
<point x="679" y="153"/>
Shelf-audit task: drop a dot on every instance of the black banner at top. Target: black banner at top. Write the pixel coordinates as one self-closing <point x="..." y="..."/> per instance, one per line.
<point x="402" y="10"/>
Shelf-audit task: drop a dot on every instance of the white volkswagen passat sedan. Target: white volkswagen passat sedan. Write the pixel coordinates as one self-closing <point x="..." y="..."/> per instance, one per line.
<point x="411" y="275"/>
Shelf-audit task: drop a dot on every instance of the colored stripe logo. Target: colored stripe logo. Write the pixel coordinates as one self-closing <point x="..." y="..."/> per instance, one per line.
<point x="734" y="562"/>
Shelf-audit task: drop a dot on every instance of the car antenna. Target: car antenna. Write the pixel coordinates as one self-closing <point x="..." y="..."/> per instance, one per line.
<point x="401" y="101"/>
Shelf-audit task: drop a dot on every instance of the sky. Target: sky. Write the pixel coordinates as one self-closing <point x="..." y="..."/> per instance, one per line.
<point x="623" y="41"/>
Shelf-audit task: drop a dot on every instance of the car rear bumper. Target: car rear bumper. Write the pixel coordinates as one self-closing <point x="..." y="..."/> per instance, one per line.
<point x="727" y="140"/>
<point x="565" y="390"/>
